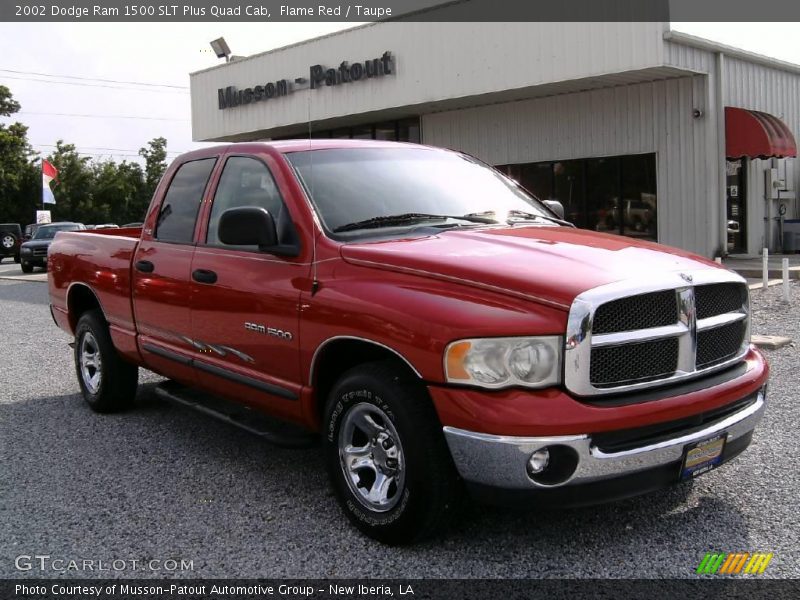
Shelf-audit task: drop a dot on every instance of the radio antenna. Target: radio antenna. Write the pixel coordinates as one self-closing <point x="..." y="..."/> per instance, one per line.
<point x="314" y="280"/>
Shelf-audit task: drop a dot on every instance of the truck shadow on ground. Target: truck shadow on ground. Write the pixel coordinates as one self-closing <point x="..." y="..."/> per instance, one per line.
<point x="161" y="475"/>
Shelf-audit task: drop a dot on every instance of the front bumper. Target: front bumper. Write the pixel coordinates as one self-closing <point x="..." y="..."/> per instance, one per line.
<point x="36" y="261"/>
<point x="496" y="462"/>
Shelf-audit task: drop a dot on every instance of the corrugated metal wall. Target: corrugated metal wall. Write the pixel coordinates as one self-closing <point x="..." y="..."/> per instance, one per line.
<point x="434" y="62"/>
<point x="754" y="86"/>
<point x="758" y="87"/>
<point x="649" y="117"/>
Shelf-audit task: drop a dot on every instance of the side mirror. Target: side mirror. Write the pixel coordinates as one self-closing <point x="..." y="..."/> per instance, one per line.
<point x="247" y="226"/>
<point x="556" y="207"/>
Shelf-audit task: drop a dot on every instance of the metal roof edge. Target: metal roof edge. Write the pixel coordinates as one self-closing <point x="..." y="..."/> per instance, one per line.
<point x="686" y="39"/>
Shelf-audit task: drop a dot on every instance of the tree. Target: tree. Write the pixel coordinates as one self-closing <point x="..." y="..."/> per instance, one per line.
<point x="86" y="191"/>
<point x="19" y="190"/>
<point x="155" y="158"/>
<point x="8" y="106"/>
<point x="117" y="193"/>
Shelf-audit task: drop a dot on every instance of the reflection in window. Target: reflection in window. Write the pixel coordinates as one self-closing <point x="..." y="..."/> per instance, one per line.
<point x="178" y="212"/>
<point x="245" y="182"/>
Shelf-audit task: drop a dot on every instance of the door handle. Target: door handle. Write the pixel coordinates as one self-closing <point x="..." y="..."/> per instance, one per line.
<point x="204" y="276"/>
<point x="145" y="266"/>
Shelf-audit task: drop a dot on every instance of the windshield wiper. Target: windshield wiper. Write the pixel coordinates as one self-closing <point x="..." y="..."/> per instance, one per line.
<point x="526" y="215"/>
<point x="406" y="218"/>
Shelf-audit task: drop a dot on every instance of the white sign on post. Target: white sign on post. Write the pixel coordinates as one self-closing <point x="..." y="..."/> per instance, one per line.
<point x="43" y="216"/>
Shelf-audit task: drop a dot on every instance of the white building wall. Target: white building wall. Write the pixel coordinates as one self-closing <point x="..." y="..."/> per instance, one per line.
<point x="758" y="87"/>
<point x="752" y="85"/>
<point x="642" y="118"/>
<point x="434" y="62"/>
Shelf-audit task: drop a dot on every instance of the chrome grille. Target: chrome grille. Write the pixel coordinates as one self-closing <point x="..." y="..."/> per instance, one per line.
<point x="642" y="333"/>
<point x="636" y="312"/>
<point x="719" y="344"/>
<point x="719" y="298"/>
<point x="645" y="361"/>
<point x="40" y="252"/>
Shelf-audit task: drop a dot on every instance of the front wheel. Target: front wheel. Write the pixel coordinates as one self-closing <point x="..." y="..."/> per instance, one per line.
<point x="107" y="382"/>
<point x="386" y="455"/>
<point x="26" y="267"/>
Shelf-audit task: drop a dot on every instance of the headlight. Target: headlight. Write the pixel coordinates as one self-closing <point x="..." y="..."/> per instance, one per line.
<point x="25" y="250"/>
<point x="504" y="362"/>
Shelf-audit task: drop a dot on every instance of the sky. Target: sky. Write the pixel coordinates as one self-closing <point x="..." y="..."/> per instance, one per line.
<point x="123" y="117"/>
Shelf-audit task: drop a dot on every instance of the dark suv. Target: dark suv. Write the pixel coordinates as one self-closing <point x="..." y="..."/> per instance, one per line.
<point x="10" y="239"/>
<point x="34" y="252"/>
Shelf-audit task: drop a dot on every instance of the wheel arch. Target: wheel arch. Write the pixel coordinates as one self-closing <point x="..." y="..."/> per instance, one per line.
<point x="338" y="354"/>
<point x="80" y="299"/>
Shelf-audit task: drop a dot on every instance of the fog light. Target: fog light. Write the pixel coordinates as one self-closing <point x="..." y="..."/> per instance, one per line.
<point x="538" y="461"/>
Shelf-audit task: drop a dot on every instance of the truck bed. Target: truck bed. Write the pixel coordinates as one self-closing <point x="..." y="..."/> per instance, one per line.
<point x="100" y="259"/>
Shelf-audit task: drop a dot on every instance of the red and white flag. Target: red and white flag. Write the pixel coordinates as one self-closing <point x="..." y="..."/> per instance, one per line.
<point x="49" y="173"/>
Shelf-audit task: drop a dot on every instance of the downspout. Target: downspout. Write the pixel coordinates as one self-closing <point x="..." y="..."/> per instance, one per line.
<point x="721" y="158"/>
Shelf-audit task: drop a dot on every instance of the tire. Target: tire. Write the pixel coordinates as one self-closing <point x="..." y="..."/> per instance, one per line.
<point x="16" y="258"/>
<point x="26" y="267"/>
<point x="405" y="449"/>
<point x="7" y="242"/>
<point x="107" y="382"/>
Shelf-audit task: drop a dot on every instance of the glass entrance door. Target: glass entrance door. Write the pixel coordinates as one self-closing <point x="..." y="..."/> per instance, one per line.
<point x="736" y="207"/>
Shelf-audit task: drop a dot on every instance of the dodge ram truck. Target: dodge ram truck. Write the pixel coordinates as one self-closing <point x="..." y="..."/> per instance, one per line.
<point x="433" y="326"/>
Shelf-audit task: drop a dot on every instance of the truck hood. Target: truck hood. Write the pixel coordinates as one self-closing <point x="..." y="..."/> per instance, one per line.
<point x="550" y="265"/>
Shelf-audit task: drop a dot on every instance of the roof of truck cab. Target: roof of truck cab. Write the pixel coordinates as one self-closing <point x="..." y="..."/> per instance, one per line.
<point x="287" y="146"/>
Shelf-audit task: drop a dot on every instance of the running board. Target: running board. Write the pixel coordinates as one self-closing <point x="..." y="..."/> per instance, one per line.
<point x="289" y="436"/>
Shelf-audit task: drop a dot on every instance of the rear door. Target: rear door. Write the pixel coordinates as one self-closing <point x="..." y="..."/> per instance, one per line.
<point x="245" y="302"/>
<point x="161" y="273"/>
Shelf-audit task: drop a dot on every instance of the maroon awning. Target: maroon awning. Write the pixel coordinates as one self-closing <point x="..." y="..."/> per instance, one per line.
<point x="754" y="134"/>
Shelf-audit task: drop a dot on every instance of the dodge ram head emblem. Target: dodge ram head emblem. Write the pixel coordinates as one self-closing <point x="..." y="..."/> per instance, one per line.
<point x="686" y="277"/>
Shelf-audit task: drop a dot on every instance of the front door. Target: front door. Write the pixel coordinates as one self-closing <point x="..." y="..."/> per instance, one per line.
<point x="245" y="301"/>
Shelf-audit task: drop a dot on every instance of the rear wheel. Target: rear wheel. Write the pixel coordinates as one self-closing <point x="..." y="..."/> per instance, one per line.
<point x="107" y="382"/>
<point x="386" y="455"/>
<point x="7" y="242"/>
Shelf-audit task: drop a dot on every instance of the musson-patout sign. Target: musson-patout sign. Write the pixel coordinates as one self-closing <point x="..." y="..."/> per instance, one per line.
<point x="318" y="76"/>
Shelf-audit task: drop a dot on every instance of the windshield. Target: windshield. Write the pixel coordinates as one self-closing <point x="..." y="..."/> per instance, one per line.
<point x="48" y="232"/>
<point x="356" y="189"/>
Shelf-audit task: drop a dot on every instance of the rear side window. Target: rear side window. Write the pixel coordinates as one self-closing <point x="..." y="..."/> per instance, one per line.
<point x="244" y="182"/>
<point x="178" y="213"/>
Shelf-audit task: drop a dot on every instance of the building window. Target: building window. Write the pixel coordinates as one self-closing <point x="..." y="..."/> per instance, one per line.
<point x="404" y="130"/>
<point x="615" y="194"/>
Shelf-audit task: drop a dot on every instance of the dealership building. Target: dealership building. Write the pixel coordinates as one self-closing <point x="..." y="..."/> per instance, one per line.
<point x="636" y="129"/>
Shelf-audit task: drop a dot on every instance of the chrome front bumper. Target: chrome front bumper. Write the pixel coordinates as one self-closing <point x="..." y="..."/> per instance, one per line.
<point x="500" y="461"/>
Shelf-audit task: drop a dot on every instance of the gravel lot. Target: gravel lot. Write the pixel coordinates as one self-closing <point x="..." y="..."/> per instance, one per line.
<point x="160" y="482"/>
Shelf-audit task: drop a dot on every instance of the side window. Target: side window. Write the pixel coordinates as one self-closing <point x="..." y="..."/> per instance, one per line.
<point x="178" y="213"/>
<point x="247" y="182"/>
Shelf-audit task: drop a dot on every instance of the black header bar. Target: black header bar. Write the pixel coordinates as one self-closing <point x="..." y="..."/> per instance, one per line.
<point x="743" y="588"/>
<point x="405" y="10"/>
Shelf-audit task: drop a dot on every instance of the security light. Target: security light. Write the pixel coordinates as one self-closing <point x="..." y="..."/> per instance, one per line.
<point x="221" y="49"/>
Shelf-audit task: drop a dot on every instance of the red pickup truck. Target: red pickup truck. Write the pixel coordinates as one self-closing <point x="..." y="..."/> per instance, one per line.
<point x="435" y="325"/>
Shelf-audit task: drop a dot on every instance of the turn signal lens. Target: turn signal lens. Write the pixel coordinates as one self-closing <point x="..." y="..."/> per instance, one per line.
<point x="455" y="359"/>
<point x="504" y="362"/>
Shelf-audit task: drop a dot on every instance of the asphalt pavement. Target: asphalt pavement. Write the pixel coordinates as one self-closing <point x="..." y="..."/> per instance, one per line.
<point x="162" y="483"/>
